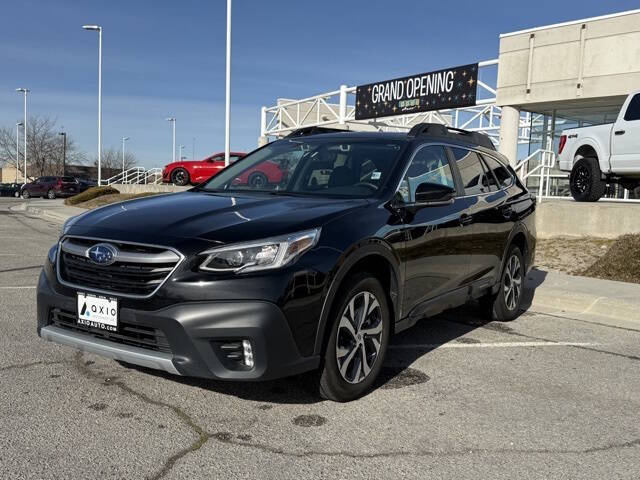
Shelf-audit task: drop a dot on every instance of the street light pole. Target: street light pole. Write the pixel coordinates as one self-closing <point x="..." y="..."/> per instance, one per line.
<point x="124" y="139"/>
<point x="227" y="120"/>
<point x="180" y="156"/>
<point x="24" y="91"/>
<point x="173" y="151"/>
<point x="64" y="153"/>
<point x="193" y="151"/>
<point x="18" y="125"/>
<point x="98" y="29"/>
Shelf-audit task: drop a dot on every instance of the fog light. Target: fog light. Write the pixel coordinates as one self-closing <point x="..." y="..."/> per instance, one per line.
<point x="247" y="353"/>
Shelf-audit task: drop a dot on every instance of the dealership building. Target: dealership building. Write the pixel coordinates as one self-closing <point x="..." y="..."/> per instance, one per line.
<point x="544" y="80"/>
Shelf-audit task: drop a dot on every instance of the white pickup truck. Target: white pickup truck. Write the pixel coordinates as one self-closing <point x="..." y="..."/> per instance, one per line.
<point x="603" y="154"/>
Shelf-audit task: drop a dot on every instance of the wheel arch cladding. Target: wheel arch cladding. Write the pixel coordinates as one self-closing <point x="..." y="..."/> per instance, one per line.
<point x="374" y="259"/>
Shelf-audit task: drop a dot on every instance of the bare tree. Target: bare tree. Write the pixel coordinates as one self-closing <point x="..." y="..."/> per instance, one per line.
<point x="44" y="147"/>
<point x="112" y="159"/>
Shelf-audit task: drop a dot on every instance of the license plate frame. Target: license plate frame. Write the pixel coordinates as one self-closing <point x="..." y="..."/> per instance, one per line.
<point x="97" y="311"/>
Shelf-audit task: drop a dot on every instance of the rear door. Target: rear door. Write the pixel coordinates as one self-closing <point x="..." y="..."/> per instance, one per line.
<point x="435" y="257"/>
<point x="625" y="139"/>
<point x="487" y="216"/>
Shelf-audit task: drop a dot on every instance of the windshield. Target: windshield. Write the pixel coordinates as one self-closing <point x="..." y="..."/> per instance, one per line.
<point x="341" y="168"/>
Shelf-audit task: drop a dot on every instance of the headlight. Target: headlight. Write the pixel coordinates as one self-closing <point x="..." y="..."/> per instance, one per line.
<point x="260" y="255"/>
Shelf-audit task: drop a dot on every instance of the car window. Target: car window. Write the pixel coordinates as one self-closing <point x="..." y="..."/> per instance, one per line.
<point x="473" y="174"/>
<point x="68" y="179"/>
<point x="633" y="110"/>
<point x="314" y="166"/>
<point x="428" y="165"/>
<point x="500" y="172"/>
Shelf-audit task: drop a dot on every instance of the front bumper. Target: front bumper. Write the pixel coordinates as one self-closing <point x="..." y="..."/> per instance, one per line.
<point x="195" y="332"/>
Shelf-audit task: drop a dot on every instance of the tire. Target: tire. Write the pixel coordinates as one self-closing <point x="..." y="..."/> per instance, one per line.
<point x="505" y="305"/>
<point x="51" y="195"/>
<point x="258" y="180"/>
<point x="16" y="194"/>
<point x="25" y="194"/>
<point x="180" y="177"/>
<point x="585" y="180"/>
<point x="343" y="376"/>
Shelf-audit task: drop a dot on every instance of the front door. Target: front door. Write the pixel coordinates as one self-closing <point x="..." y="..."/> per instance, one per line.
<point x="436" y="264"/>
<point x="625" y="139"/>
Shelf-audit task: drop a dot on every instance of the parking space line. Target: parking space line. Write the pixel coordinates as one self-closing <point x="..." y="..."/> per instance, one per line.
<point x="18" y="287"/>
<point x="410" y="346"/>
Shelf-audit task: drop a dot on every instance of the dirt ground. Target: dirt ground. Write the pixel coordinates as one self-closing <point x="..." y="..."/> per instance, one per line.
<point x="570" y="255"/>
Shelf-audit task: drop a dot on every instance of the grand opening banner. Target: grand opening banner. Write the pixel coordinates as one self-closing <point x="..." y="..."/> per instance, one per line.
<point x="449" y="88"/>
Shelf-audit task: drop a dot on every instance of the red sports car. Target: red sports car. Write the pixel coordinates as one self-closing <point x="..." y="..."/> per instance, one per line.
<point x="194" y="172"/>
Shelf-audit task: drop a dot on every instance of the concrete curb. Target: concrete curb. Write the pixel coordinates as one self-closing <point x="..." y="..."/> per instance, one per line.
<point x="60" y="217"/>
<point x="561" y="293"/>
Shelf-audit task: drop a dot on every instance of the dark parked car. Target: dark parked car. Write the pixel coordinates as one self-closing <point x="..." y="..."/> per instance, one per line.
<point x="365" y="234"/>
<point x="10" y="189"/>
<point x="52" y="187"/>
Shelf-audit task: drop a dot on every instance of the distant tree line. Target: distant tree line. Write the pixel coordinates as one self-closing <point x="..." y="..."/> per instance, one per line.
<point x="45" y="149"/>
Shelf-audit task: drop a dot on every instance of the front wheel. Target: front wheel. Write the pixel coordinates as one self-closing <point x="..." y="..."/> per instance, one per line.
<point x="180" y="177"/>
<point x="357" y="341"/>
<point x="505" y="305"/>
<point x="585" y="181"/>
<point x="16" y="194"/>
<point x="25" y="194"/>
<point x="51" y="194"/>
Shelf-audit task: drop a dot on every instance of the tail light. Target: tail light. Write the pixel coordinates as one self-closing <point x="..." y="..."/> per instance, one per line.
<point x="563" y="140"/>
<point x="59" y="182"/>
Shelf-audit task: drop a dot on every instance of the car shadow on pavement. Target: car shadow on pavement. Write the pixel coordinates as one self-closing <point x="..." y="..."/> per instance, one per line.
<point x="404" y="349"/>
<point x="535" y="278"/>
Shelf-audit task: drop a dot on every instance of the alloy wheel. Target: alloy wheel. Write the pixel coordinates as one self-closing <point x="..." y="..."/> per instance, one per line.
<point x="512" y="283"/>
<point x="359" y="337"/>
<point x="180" y="177"/>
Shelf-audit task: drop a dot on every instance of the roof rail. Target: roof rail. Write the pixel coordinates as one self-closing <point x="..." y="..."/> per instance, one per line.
<point x="303" y="132"/>
<point x="441" y="130"/>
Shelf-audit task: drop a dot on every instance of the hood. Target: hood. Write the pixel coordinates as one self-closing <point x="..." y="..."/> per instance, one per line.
<point x="213" y="217"/>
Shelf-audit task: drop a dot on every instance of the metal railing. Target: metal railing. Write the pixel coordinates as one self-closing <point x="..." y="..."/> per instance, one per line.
<point x="546" y="162"/>
<point x="136" y="175"/>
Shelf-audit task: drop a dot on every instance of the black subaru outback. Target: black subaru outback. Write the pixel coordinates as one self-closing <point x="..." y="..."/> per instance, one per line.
<point x="355" y="237"/>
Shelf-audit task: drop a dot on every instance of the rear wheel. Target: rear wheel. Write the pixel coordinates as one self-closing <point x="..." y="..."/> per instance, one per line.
<point x="16" y="194"/>
<point x="504" y="305"/>
<point x="51" y="194"/>
<point x="586" y="181"/>
<point x="258" y="180"/>
<point x="357" y="341"/>
<point x="180" y="177"/>
<point x="25" y="194"/>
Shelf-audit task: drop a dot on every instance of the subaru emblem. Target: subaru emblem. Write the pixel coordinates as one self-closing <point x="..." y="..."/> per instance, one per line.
<point x="102" y="254"/>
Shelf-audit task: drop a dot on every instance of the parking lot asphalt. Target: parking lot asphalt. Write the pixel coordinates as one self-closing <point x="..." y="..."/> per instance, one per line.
<point x="460" y="398"/>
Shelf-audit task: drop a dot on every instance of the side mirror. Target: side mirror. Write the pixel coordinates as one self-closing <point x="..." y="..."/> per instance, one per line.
<point x="434" y="193"/>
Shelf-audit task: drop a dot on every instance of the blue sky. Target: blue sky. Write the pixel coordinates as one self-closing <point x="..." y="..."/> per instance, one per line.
<point x="166" y="58"/>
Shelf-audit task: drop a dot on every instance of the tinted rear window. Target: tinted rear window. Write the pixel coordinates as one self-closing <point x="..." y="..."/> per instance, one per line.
<point x="499" y="171"/>
<point x="472" y="172"/>
<point x="68" y="179"/>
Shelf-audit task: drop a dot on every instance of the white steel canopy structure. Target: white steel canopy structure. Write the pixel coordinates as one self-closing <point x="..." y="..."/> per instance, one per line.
<point x="337" y="109"/>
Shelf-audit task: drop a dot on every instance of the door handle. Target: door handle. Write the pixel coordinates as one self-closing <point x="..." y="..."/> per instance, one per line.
<point x="619" y="132"/>
<point x="465" y="219"/>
